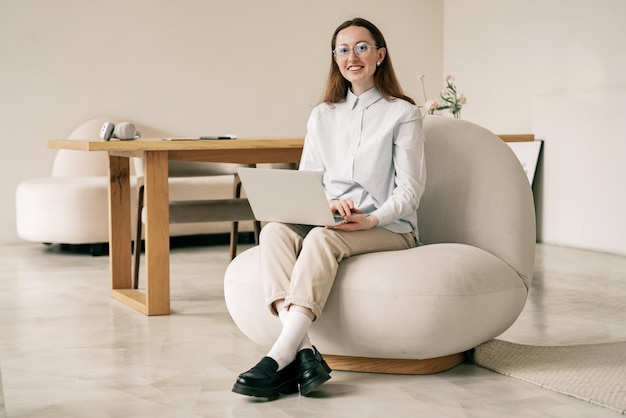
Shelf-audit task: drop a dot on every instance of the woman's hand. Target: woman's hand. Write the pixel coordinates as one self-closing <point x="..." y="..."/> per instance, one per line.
<point x="355" y="220"/>
<point x="342" y="207"/>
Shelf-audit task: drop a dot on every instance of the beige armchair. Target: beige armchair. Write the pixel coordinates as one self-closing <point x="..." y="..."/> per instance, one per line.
<point x="419" y="310"/>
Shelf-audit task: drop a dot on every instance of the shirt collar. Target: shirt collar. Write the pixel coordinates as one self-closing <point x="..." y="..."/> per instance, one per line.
<point x="365" y="100"/>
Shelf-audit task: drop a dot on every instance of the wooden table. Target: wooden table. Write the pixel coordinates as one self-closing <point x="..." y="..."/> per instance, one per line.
<point x="156" y="153"/>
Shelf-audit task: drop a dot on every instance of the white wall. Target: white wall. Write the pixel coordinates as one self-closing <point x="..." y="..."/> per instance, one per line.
<point x="254" y="68"/>
<point x="555" y="68"/>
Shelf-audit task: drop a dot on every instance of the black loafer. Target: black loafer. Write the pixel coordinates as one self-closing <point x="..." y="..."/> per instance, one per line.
<point x="264" y="381"/>
<point x="312" y="370"/>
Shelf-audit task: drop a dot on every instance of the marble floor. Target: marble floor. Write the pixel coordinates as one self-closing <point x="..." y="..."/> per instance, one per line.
<point x="68" y="350"/>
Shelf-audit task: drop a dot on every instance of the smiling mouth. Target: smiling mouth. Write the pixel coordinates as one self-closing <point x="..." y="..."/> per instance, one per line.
<point x="355" y="67"/>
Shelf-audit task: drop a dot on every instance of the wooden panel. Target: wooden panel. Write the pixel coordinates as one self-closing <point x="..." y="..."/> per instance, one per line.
<point x="394" y="366"/>
<point x="156" y="144"/>
<point x="119" y="223"/>
<point x="517" y="137"/>
<point x="157" y="234"/>
<point x="132" y="298"/>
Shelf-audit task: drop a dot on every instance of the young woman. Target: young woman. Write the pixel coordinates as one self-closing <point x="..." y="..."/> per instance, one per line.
<point x="365" y="140"/>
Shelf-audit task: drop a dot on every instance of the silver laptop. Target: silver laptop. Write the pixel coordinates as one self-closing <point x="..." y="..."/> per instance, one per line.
<point x="289" y="196"/>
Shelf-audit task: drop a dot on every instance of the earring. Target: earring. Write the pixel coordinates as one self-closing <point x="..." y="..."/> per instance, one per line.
<point x="378" y="64"/>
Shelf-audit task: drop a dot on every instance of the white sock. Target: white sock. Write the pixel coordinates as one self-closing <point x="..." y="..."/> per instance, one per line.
<point x="306" y="342"/>
<point x="295" y="326"/>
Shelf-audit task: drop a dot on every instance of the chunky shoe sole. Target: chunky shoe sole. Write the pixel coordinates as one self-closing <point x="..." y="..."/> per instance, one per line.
<point x="317" y="378"/>
<point x="313" y="383"/>
<point x="269" y="393"/>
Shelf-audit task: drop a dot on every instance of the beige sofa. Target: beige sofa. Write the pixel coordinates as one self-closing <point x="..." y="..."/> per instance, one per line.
<point x="71" y="206"/>
<point x="419" y="310"/>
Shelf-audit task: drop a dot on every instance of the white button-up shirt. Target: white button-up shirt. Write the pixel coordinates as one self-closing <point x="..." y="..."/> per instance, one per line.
<point x="371" y="151"/>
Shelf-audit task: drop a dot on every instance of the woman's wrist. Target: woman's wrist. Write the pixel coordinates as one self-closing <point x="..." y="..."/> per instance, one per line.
<point x="373" y="220"/>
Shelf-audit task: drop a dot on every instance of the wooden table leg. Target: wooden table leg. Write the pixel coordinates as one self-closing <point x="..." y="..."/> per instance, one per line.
<point x="157" y="233"/>
<point x="119" y="223"/>
<point x="120" y="235"/>
<point x="156" y="299"/>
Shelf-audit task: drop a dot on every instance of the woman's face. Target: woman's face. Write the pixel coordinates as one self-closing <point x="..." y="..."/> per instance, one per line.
<point x="357" y="69"/>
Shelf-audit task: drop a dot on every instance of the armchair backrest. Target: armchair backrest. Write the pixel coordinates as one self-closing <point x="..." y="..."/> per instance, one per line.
<point x="476" y="194"/>
<point x="68" y="163"/>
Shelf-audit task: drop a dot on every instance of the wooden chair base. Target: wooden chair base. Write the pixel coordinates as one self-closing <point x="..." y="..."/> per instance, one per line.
<point x="394" y="366"/>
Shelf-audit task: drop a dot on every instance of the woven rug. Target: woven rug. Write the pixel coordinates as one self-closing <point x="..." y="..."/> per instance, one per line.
<point x="595" y="373"/>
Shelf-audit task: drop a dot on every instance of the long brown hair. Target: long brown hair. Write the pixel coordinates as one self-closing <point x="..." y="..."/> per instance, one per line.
<point x="385" y="78"/>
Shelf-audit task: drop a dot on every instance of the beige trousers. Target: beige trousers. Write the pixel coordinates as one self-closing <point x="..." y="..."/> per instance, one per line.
<point x="299" y="262"/>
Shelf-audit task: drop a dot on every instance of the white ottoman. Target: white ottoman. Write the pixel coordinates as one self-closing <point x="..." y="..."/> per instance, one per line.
<point x="69" y="210"/>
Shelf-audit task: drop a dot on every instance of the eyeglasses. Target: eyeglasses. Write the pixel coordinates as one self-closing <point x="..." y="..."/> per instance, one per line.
<point x="362" y="49"/>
